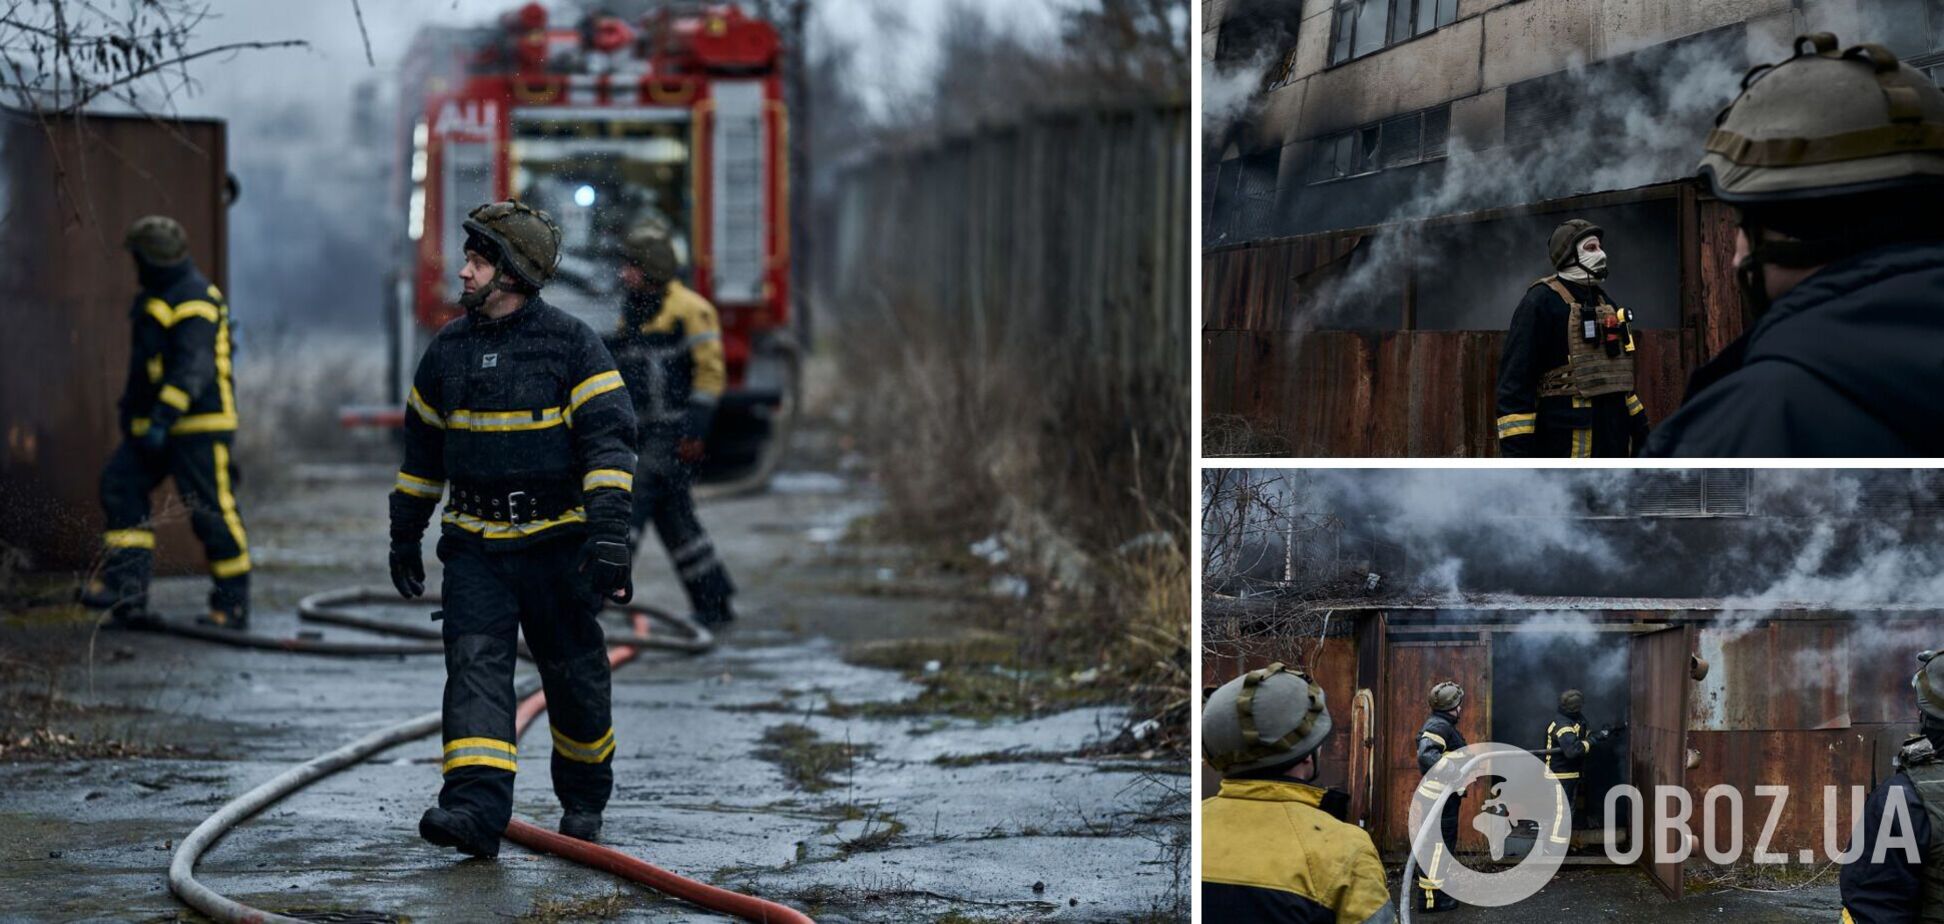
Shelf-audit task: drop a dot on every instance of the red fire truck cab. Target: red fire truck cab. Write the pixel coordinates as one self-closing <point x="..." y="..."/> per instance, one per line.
<point x="605" y="124"/>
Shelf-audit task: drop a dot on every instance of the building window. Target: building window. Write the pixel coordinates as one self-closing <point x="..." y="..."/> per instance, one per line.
<point x="1399" y="141"/>
<point x="1365" y="26"/>
<point x="1712" y="492"/>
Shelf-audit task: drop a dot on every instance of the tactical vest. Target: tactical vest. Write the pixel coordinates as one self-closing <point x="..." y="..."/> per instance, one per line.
<point x="1589" y="372"/>
<point x="1928" y="780"/>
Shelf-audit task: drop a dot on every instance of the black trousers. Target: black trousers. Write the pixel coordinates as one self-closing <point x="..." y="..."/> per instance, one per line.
<point x="1430" y="884"/>
<point x="489" y="597"/>
<point x="205" y="477"/>
<point x="661" y="495"/>
<point x="1561" y="829"/>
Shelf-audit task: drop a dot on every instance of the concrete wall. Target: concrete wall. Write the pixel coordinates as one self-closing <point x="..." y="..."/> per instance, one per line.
<point x="1469" y="63"/>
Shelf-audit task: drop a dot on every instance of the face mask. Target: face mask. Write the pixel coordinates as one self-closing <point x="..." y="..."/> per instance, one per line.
<point x="1594" y="262"/>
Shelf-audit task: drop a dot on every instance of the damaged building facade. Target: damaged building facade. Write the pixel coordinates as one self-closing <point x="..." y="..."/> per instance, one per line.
<point x="1380" y="177"/>
<point x="1732" y="670"/>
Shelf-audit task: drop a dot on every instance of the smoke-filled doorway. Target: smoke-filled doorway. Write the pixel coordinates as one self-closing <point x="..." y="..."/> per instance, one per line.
<point x="1532" y="667"/>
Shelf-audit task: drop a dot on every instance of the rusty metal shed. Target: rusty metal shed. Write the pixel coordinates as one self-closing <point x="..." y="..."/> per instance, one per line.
<point x="72" y="186"/>
<point x="1397" y="386"/>
<point x="1797" y="694"/>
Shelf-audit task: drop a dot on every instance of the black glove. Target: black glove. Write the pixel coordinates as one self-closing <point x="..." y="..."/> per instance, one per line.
<point x="407" y="569"/>
<point x="154" y="439"/>
<point x="605" y="559"/>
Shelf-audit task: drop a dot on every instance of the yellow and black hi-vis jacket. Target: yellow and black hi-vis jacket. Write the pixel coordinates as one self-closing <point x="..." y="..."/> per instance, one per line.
<point x="529" y="403"/>
<point x="673" y="362"/>
<point x="1278" y="850"/>
<point x="1539" y="412"/>
<point x="1568" y="734"/>
<point x="179" y="372"/>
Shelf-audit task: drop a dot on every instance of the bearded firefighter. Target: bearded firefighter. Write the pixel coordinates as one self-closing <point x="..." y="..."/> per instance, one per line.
<point x="518" y="407"/>
<point x="1566" y="372"/>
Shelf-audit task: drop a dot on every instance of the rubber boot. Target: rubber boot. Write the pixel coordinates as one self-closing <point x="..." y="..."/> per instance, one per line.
<point x="584" y="826"/>
<point x="715" y="618"/>
<point x="450" y="829"/>
<point x="122" y="589"/>
<point x="229" y="605"/>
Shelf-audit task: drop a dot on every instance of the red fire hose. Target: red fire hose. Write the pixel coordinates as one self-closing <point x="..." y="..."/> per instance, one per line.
<point x="183" y="883"/>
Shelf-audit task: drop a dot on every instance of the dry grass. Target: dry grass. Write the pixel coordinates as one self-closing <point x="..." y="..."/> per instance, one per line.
<point x="1236" y="435"/>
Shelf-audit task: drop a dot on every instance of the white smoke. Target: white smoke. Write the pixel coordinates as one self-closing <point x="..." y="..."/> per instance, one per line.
<point x="1229" y="93"/>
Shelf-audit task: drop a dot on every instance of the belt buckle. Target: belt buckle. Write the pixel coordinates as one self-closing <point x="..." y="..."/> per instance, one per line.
<point x="514" y="514"/>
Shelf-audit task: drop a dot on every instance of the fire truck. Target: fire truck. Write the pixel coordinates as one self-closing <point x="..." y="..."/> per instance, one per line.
<point x="606" y="123"/>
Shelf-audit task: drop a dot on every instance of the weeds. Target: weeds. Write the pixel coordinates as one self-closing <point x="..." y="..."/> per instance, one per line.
<point x="593" y="908"/>
<point x="807" y="761"/>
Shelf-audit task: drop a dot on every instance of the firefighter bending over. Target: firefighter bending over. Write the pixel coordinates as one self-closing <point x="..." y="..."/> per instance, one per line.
<point x="1900" y="888"/>
<point x="1566" y="372"/>
<point x="1274" y="847"/>
<point x="1834" y="163"/>
<point x="519" y="406"/>
<point x="669" y="349"/>
<point x="178" y="420"/>
<point x="1439" y="736"/>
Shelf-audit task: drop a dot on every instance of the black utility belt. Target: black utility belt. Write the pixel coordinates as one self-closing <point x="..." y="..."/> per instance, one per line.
<point x="503" y="503"/>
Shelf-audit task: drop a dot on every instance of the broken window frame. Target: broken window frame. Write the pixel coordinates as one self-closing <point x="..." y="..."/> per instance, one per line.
<point x="1403" y="20"/>
<point x="1366" y="158"/>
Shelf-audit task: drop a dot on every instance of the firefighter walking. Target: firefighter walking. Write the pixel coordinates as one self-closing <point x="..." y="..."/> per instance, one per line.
<point x="178" y="420"/>
<point x="516" y="407"/>
<point x="1438" y="737"/>
<point x="1567" y="744"/>
<point x="669" y="350"/>
<point x="1274" y="846"/>
<point x="1885" y="883"/>
<point x="1834" y="164"/>
<point x="1566" y="372"/>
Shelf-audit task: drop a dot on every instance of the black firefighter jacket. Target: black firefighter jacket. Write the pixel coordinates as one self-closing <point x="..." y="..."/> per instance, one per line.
<point x="1847" y="363"/>
<point x="179" y="355"/>
<point x="1889" y="890"/>
<point x="1558" y="425"/>
<point x="530" y="402"/>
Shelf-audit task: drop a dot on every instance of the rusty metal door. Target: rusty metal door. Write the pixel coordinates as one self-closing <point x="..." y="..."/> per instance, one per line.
<point x="1658" y="734"/>
<point x="1414" y="667"/>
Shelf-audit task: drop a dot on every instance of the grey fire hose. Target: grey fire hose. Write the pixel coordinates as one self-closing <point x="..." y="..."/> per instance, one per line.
<point x="182" y="865"/>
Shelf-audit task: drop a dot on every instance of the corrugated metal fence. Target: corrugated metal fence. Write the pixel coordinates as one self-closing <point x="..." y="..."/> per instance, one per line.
<point x="1053" y="250"/>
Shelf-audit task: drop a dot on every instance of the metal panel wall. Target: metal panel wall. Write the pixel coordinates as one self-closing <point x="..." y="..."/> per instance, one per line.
<point x="1659" y="729"/>
<point x="72" y="187"/>
<point x="1414" y="667"/>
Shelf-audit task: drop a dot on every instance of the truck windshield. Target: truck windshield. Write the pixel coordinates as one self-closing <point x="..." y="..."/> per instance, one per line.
<point x="600" y="172"/>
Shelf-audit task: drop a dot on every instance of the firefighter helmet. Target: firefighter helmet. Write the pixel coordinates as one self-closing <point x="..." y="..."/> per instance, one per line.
<point x="1566" y="238"/>
<point x="1446" y="696"/>
<point x="650" y="247"/>
<point x="1929" y="684"/>
<point x="158" y="239"/>
<point x="527" y="239"/>
<point x="1571" y="701"/>
<point x="1824" y="124"/>
<point x="1265" y="718"/>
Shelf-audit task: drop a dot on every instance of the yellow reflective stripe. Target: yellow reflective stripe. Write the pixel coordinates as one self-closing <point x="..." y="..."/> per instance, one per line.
<point x="159" y="310"/>
<point x="1634" y="406"/>
<point x="194" y="309"/>
<point x="230" y="567"/>
<point x="226" y="501"/>
<point x="1561" y="776"/>
<point x="173" y="397"/>
<point x="154" y="366"/>
<point x="1846" y="917"/>
<point x="1431" y="789"/>
<point x="128" y="539"/>
<point x="1517" y="424"/>
<point x="1438" y="738"/>
<point x="202" y="423"/>
<point x="584" y="752"/>
<point x="1583" y="443"/>
<point x="607" y="478"/>
<point x="418" y="487"/>
<point x="595" y="385"/>
<point x="501" y="529"/>
<point x="490" y="743"/>
<point x="425" y="411"/>
<point x="478" y="760"/>
<point x="503" y="421"/>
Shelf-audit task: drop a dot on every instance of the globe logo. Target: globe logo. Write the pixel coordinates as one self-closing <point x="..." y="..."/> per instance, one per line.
<point x="1518" y="791"/>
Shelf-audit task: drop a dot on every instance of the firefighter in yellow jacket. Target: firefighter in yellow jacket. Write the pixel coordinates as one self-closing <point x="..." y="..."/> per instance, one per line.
<point x="178" y="420"/>
<point x="1566" y="371"/>
<point x="669" y="351"/>
<point x="1274" y="847"/>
